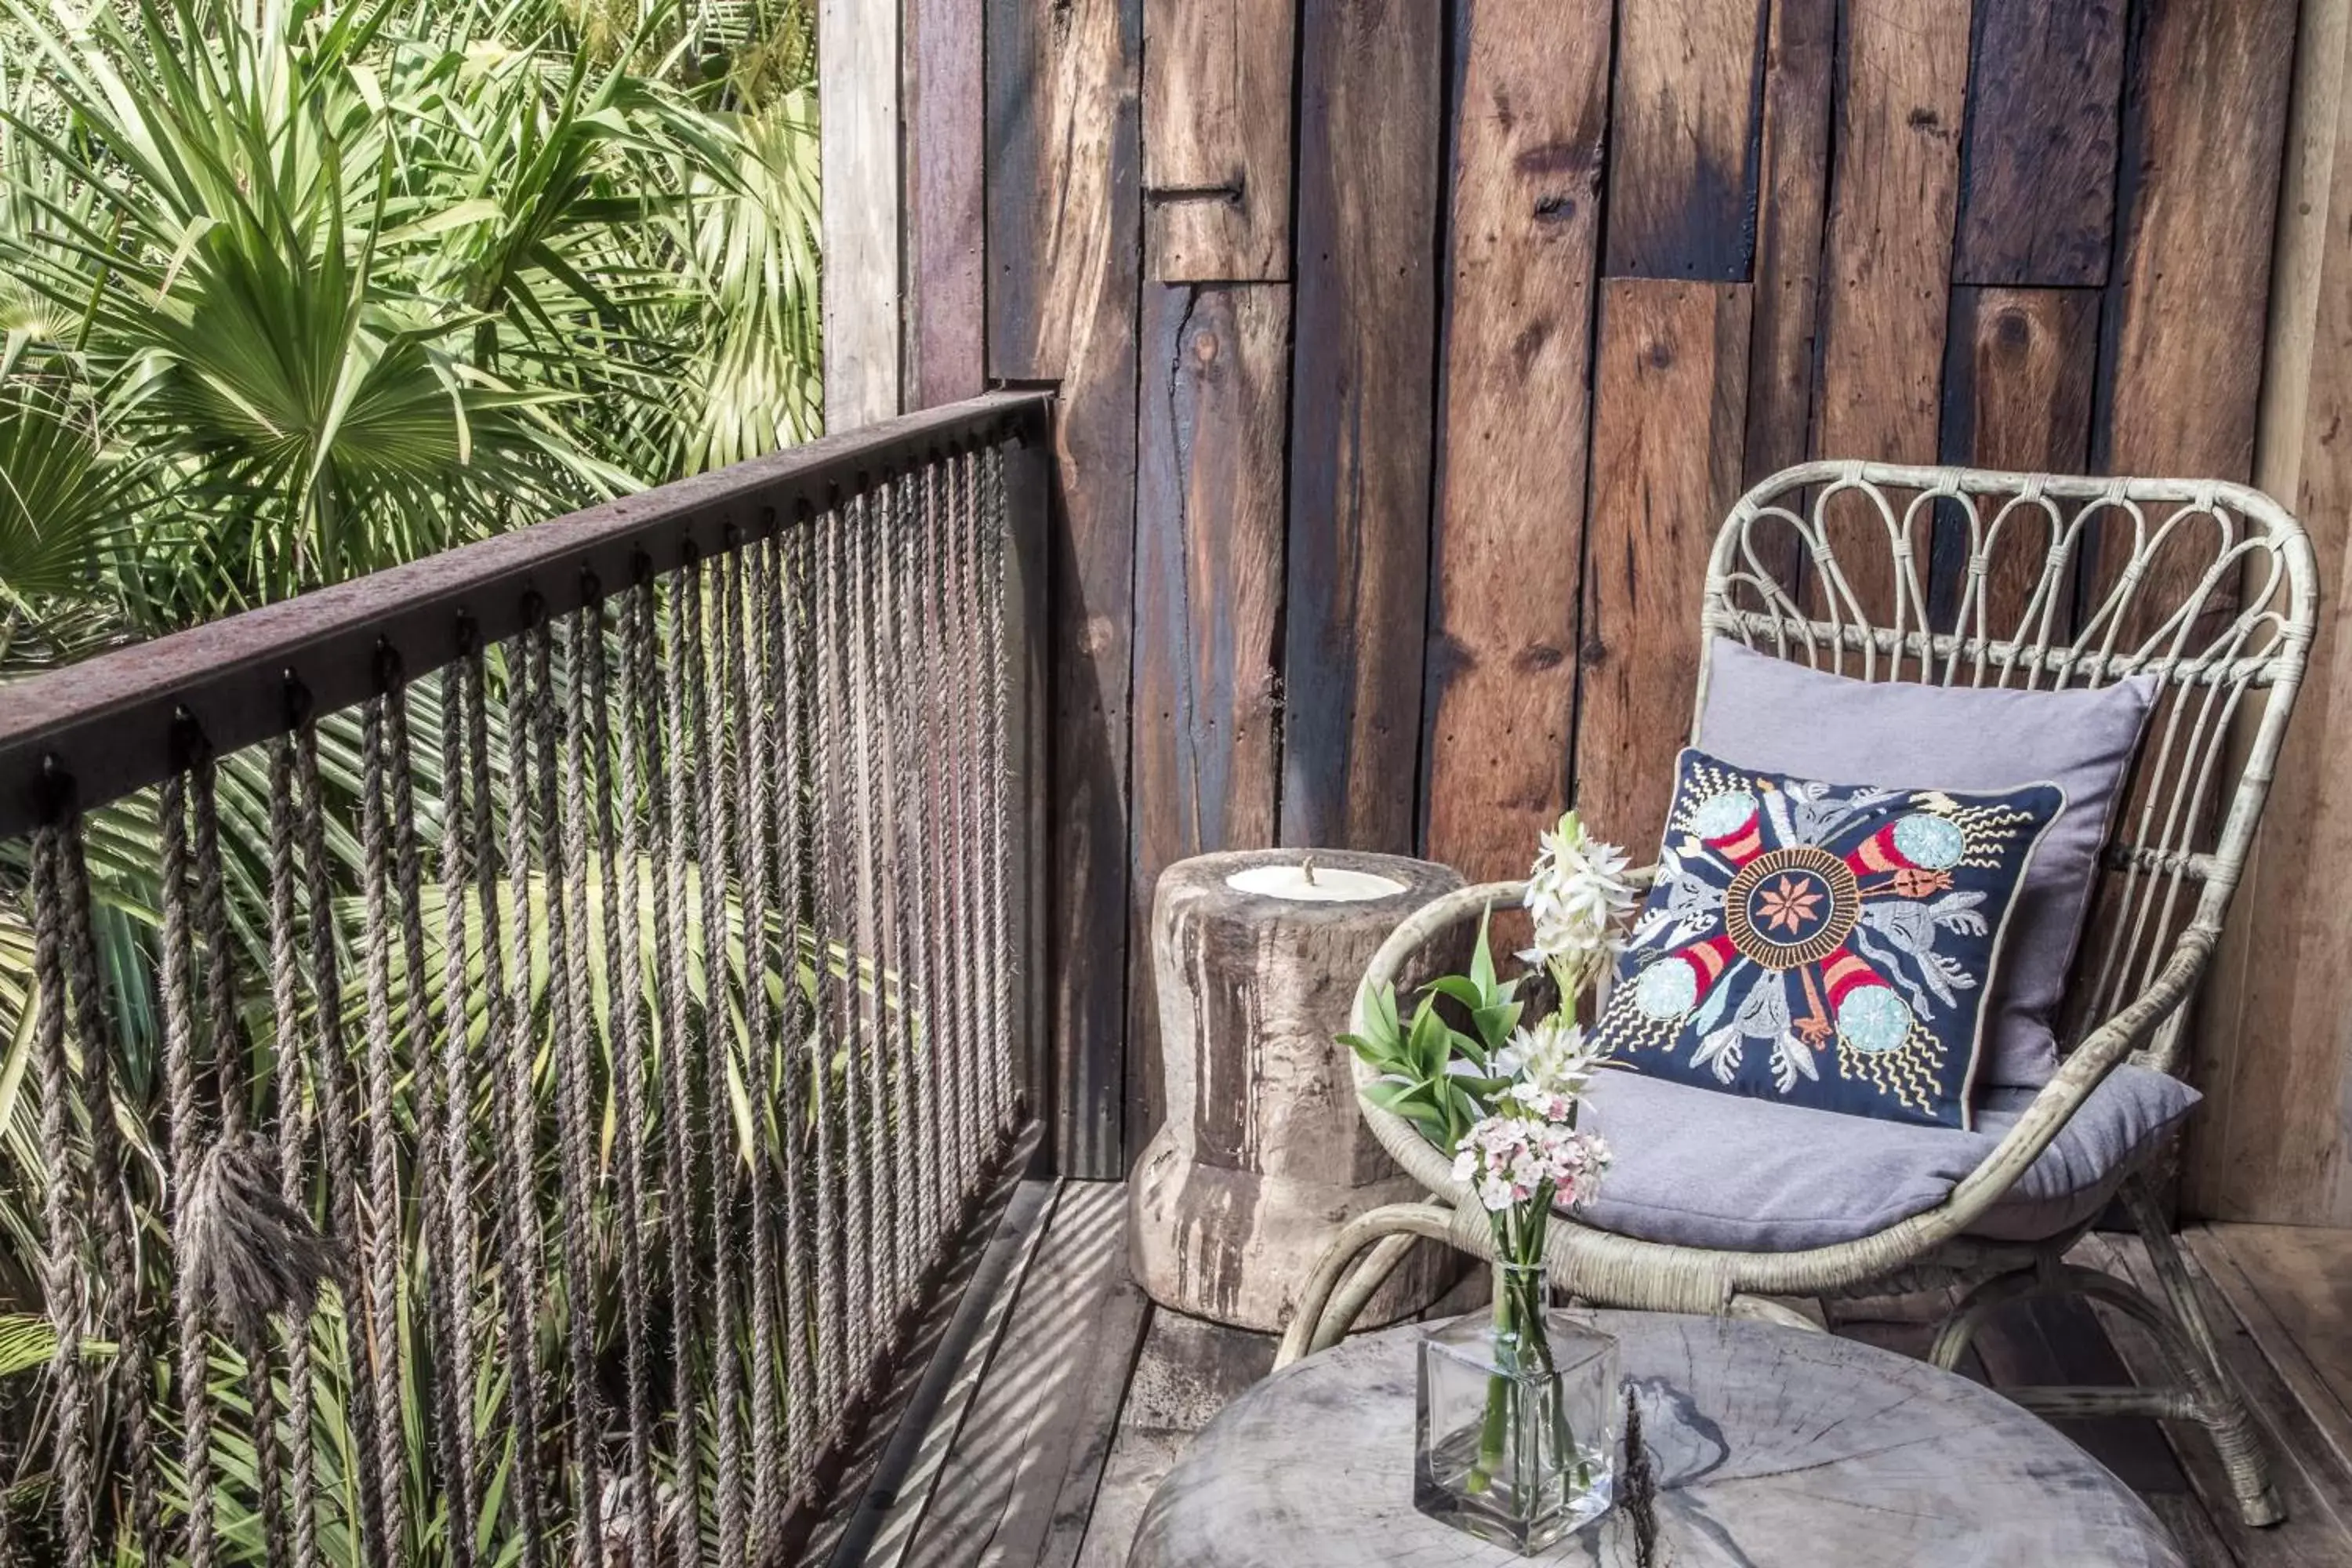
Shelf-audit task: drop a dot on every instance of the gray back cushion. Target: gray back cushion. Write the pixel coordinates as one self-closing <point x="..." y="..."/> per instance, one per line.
<point x="1772" y="715"/>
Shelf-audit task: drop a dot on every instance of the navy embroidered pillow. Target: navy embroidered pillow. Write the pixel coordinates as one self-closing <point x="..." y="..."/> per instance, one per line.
<point x="1825" y="945"/>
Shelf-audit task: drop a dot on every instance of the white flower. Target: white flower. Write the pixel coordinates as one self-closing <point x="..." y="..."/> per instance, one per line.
<point x="1581" y="901"/>
<point x="1513" y="1160"/>
<point x="1552" y="1060"/>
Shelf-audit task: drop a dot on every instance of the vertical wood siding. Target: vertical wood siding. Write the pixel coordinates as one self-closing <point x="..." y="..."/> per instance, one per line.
<point x="1411" y="352"/>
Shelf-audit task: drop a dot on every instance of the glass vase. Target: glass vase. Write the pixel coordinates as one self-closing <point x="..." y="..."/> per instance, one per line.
<point x="1519" y="1417"/>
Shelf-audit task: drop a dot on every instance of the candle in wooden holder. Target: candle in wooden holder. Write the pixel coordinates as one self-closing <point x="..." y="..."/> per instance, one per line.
<point x="1257" y="956"/>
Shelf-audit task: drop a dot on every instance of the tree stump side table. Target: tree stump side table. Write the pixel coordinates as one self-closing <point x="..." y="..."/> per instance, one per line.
<point x="1263" y="1156"/>
<point x="1772" y="1446"/>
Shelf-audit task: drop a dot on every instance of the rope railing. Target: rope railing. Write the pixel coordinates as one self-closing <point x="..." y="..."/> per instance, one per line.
<point x="515" y="1041"/>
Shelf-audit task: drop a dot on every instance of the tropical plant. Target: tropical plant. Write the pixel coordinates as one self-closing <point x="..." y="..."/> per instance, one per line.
<point x="292" y="292"/>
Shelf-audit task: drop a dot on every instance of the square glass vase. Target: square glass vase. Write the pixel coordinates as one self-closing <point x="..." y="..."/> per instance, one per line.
<point x="1519" y="1426"/>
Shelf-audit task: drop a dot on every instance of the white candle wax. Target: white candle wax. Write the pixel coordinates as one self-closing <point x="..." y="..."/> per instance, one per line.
<point x="1329" y="885"/>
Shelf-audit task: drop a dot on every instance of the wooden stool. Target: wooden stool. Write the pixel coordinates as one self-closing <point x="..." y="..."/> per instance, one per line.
<point x="1263" y="1157"/>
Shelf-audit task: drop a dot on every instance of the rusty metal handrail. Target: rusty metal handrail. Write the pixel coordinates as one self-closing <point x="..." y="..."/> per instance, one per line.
<point x="108" y="724"/>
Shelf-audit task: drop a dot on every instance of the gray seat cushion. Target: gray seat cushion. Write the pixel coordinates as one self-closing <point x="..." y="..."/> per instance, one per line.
<point x="1772" y="715"/>
<point x="1724" y="1171"/>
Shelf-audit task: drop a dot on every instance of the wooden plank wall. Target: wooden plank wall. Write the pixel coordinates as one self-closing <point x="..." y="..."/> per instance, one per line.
<point x="1410" y="352"/>
<point x="2272" y="1052"/>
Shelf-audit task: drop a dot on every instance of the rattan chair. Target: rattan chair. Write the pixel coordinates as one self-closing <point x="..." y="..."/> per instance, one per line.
<point x="2044" y="581"/>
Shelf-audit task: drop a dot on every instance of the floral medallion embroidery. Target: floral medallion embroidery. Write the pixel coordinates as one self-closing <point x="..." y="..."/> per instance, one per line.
<point x="1824" y="944"/>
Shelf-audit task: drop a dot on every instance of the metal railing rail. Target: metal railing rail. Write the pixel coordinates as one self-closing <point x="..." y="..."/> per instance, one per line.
<point x="515" y="1036"/>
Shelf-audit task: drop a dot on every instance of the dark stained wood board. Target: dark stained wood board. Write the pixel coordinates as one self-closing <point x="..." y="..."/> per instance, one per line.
<point x="2190" y="292"/>
<point x="1065" y="259"/>
<point x="1528" y="134"/>
<point x="2018" y="381"/>
<point x="1800" y="56"/>
<point x="1683" y="140"/>
<point x="1208" y="604"/>
<point x="1886" y="266"/>
<point x="2038" y="169"/>
<point x="2271" y="1044"/>
<point x="1362" y="435"/>
<point x="1216" y="138"/>
<point x="1665" y="468"/>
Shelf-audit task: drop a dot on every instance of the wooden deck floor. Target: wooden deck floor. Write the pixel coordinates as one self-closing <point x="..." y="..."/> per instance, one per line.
<point x="1074" y="1396"/>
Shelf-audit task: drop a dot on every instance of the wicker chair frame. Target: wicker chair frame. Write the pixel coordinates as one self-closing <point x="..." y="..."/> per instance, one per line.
<point x="2046" y="582"/>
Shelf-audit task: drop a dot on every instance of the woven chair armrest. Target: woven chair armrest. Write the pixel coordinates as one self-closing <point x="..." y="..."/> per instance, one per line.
<point x="2101" y="1052"/>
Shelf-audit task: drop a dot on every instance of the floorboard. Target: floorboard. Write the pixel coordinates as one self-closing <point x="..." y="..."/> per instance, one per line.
<point x="2318" y="1527"/>
<point x="2291" y="1286"/>
<point x="1020" y="1478"/>
<point x="1091" y="1394"/>
<point x="1188" y="1371"/>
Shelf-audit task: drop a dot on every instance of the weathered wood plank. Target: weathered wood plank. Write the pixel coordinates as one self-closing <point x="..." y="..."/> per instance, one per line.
<point x="2204" y="121"/>
<point x="1683" y="139"/>
<point x="1532" y="113"/>
<point x="992" y="1287"/>
<point x="2289" y="1285"/>
<point x="2314" y="1532"/>
<point x="1665" y="468"/>
<point x="2270" y="1045"/>
<point x="1020" y="1480"/>
<point x="1064" y="216"/>
<point x="1065" y="248"/>
<point x="2193" y="1530"/>
<point x="857" y="153"/>
<point x="1208" y="607"/>
<point x="1800" y="56"/>
<point x="1888" y="263"/>
<point x="945" y="88"/>
<point x="1216" y="138"/>
<point x="2191" y="290"/>
<point x="1361" y="431"/>
<point x="2057" y="1342"/>
<point x="1185" y="1374"/>
<point x="2017" y="395"/>
<point x="1886" y="268"/>
<point x="2038" y="197"/>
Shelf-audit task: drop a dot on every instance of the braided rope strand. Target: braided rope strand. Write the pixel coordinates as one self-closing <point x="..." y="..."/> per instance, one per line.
<point x="563" y="830"/>
<point x="909" y="807"/>
<point x="331" y="1064"/>
<point x="625" y="990"/>
<point x="228" y="1045"/>
<point x="790" y="611"/>
<point x="836" y="1326"/>
<point x="515" y="1234"/>
<point x="716" y="822"/>
<point x="882" y="1284"/>
<point x="995" y="553"/>
<point x="62" y="1212"/>
<point x="185" y="1127"/>
<point x="293" y="1135"/>
<point x="380" y="1312"/>
<point x="755" y="867"/>
<point x="681" y="1143"/>
<point x="449" y="1209"/>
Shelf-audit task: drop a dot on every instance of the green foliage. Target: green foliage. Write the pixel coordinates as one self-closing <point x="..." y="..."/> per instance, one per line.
<point x="297" y="293"/>
<point x="1416" y="1061"/>
<point x="292" y="292"/>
